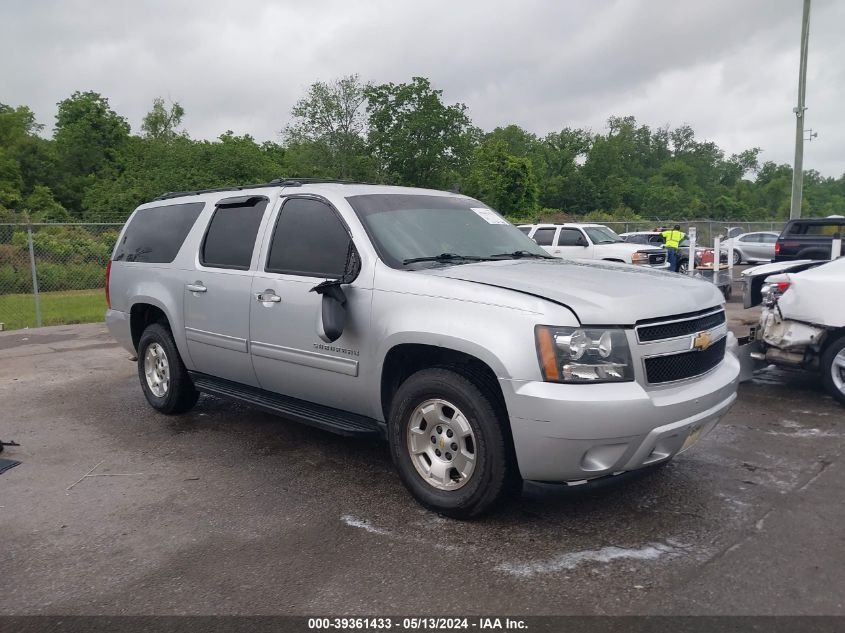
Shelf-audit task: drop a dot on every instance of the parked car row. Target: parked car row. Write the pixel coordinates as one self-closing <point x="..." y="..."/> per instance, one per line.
<point x="703" y="257"/>
<point x="593" y="241"/>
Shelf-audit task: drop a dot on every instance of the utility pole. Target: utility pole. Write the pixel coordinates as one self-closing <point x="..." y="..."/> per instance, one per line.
<point x="798" y="165"/>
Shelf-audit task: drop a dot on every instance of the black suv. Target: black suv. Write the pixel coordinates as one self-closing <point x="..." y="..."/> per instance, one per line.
<point x="809" y="238"/>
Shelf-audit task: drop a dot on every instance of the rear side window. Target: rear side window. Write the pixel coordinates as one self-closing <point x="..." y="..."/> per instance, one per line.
<point x="230" y="238"/>
<point x="825" y="229"/>
<point x="525" y="229"/>
<point x="309" y="239"/>
<point x="155" y="235"/>
<point x="544" y="237"/>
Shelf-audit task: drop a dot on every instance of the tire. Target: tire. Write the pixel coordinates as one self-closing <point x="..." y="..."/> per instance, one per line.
<point x="176" y="394"/>
<point x="421" y="411"/>
<point x="833" y="360"/>
<point x="737" y="258"/>
<point x="683" y="266"/>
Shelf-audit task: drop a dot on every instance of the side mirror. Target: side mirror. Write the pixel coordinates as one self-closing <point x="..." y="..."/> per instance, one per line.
<point x="581" y="241"/>
<point x="332" y="318"/>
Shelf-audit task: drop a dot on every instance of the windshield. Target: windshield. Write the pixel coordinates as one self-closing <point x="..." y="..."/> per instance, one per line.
<point x="451" y="229"/>
<point x="602" y="235"/>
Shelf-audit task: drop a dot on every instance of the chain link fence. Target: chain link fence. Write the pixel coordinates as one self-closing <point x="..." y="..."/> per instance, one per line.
<point x="53" y="274"/>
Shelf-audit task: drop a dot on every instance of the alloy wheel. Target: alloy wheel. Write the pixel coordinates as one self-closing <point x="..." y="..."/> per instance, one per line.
<point x="157" y="370"/>
<point x="441" y="444"/>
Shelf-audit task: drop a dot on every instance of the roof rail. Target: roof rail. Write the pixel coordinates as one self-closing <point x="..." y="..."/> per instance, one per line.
<point x="276" y="182"/>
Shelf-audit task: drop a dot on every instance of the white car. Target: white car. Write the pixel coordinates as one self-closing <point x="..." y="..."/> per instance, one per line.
<point x="758" y="246"/>
<point x="803" y="322"/>
<point x="593" y="241"/>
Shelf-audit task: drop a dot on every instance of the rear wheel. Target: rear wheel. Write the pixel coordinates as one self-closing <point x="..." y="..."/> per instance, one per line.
<point x="163" y="376"/>
<point x="449" y="445"/>
<point x="737" y="258"/>
<point x="683" y="266"/>
<point x="832" y="368"/>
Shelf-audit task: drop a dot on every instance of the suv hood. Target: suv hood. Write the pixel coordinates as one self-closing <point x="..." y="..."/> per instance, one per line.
<point x="599" y="293"/>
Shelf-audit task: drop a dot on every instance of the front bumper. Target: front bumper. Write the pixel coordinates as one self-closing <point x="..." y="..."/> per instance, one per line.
<point x="571" y="433"/>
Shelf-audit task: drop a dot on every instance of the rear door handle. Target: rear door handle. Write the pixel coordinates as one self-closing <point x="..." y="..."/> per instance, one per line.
<point x="196" y="287"/>
<point x="268" y="296"/>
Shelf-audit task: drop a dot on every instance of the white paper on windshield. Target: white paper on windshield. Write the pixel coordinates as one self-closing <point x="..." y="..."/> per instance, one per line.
<point x="488" y="216"/>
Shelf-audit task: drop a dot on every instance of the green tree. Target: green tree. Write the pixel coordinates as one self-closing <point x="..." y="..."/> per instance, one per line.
<point x="162" y="123"/>
<point x="328" y="129"/>
<point x="42" y="206"/>
<point x="89" y="136"/>
<point x="416" y="138"/>
<point x="502" y="180"/>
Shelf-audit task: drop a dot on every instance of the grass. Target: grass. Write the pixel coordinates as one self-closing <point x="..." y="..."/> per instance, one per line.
<point x="57" y="308"/>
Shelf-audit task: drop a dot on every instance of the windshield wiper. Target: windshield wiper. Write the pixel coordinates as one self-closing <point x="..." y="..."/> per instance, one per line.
<point x="444" y="257"/>
<point x="519" y="255"/>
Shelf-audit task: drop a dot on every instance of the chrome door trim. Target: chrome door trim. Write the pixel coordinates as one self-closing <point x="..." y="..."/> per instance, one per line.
<point x="224" y="341"/>
<point x="316" y="360"/>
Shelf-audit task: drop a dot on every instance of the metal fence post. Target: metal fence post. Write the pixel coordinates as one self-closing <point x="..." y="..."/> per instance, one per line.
<point x="34" y="276"/>
<point x="836" y="247"/>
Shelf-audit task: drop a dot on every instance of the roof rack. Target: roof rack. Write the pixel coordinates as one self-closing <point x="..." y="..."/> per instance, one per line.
<point x="276" y="182"/>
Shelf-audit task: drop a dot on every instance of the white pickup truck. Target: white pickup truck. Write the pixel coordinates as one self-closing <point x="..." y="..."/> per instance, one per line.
<point x="593" y="241"/>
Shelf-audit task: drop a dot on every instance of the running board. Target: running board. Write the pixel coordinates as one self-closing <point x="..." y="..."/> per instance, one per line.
<point x="316" y="415"/>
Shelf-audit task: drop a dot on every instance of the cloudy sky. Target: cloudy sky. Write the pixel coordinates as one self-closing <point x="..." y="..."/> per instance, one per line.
<point x="726" y="67"/>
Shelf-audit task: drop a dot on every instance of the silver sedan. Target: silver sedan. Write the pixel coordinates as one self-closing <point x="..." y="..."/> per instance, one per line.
<point x="758" y="246"/>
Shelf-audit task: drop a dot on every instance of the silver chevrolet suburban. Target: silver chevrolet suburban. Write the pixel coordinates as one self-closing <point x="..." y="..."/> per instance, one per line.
<point x="425" y="318"/>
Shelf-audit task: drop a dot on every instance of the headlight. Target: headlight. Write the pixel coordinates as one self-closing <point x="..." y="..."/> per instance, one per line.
<point x="576" y="354"/>
<point x="639" y="258"/>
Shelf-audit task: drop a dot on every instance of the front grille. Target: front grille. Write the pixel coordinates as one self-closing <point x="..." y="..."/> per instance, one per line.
<point x="674" y="329"/>
<point x="684" y="365"/>
<point x="655" y="259"/>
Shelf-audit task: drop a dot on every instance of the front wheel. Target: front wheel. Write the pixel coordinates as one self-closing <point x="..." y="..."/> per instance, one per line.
<point x="683" y="266"/>
<point x="832" y="368"/>
<point x="449" y="444"/>
<point x="737" y="258"/>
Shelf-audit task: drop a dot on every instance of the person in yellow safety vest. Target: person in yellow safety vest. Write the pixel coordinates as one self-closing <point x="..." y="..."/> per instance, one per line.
<point x="671" y="240"/>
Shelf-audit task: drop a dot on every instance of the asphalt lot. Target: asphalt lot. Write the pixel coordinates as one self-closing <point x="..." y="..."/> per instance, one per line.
<point x="228" y="510"/>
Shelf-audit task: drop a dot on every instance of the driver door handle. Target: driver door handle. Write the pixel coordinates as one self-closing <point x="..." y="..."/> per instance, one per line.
<point x="268" y="296"/>
<point x="196" y="287"/>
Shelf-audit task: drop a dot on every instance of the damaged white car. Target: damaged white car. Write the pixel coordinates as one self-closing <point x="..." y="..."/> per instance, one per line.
<point x="803" y="323"/>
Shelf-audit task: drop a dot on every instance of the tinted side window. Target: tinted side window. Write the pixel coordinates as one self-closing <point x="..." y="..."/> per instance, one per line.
<point x="769" y="239"/>
<point x="155" y="235"/>
<point x="231" y="233"/>
<point x="656" y="239"/>
<point x="825" y="229"/>
<point x="525" y="229"/>
<point x="569" y="237"/>
<point x="544" y="237"/>
<point x="309" y="239"/>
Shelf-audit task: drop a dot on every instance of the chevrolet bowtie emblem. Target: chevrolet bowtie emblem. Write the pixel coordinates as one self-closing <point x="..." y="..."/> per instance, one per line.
<point x="702" y="341"/>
